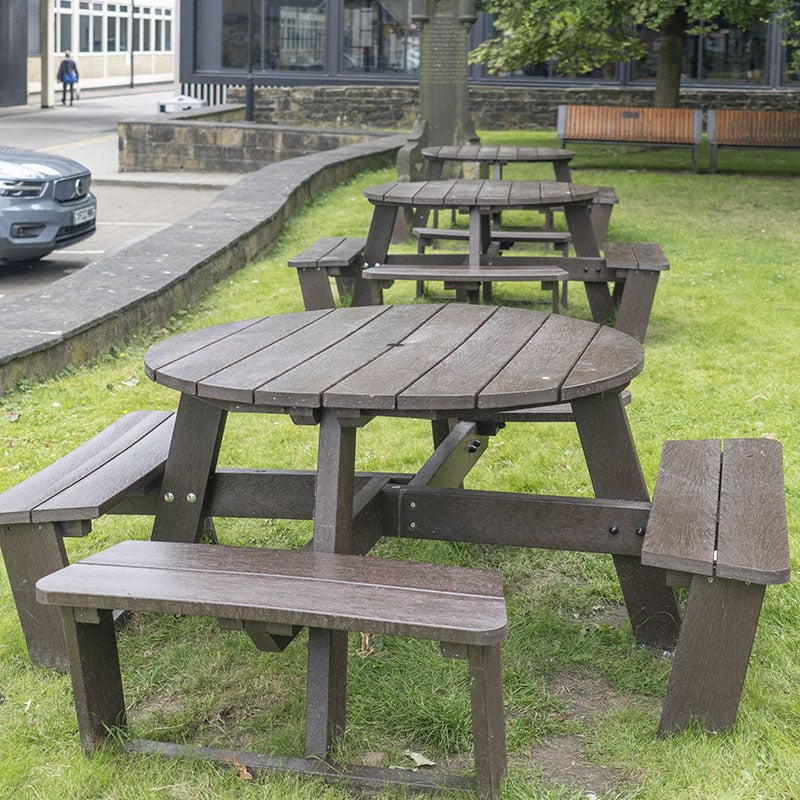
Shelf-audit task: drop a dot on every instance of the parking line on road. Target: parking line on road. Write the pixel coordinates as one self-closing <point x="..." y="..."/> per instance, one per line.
<point x="81" y="143"/>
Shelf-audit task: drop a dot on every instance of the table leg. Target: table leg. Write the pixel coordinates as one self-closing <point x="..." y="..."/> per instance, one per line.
<point x="379" y="237"/>
<point x="192" y="459"/>
<point x="616" y="473"/>
<point x="333" y="528"/>
<point x="579" y="222"/>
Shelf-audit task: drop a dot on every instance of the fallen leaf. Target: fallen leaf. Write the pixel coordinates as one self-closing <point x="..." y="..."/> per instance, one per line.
<point x="244" y="773"/>
<point x="13" y="416"/>
<point x="419" y="759"/>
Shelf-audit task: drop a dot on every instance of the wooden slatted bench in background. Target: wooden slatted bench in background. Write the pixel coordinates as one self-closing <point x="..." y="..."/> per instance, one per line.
<point x="733" y="127"/>
<point x="119" y="466"/>
<point x="462" y="608"/>
<point x="661" y="127"/>
<point x="717" y="525"/>
<point x="339" y="257"/>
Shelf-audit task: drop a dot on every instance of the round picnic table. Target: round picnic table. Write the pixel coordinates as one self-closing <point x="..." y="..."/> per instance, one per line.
<point x="497" y="157"/>
<point x="339" y="368"/>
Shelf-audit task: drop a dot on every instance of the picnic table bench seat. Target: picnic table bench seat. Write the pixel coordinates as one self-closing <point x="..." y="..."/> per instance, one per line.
<point x="718" y="526"/>
<point x="503" y="238"/>
<point x="468" y="280"/>
<point x="462" y="608"/>
<point x="121" y="465"/>
<point x="338" y="257"/>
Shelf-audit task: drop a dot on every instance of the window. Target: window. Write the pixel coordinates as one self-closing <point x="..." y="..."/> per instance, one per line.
<point x="378" y="38"/>
<point x="63" y="25"/>
<point x="147" y="28"/>
<point x="281" y="35"/>
<point x="124" y="11"/>
<point x="726" y="55"/>
<point x="97" y="28"/>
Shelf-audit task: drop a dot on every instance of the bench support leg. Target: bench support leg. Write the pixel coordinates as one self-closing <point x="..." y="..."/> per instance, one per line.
<point x="488" y="724"/>
<point x="602" y="425"/>
<point x="315" y="287"/>
<point x="30" y="552"/>
<point x="326" y="690"/>
<point x="96" y="680"/>
<point x="180" y="515"/>
<point x="636" y="302"/>
<point x="333" y="533"/>
<point x="712" y="654"/>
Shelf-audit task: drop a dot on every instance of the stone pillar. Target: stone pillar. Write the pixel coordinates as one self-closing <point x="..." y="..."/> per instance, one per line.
<point x="443" y="117"/>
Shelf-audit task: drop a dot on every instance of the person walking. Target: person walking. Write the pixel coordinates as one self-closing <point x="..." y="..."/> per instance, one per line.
<point x="68" y="76"/>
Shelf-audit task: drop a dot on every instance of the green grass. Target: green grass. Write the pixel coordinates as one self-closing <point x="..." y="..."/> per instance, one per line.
<point x="721" y="360"/>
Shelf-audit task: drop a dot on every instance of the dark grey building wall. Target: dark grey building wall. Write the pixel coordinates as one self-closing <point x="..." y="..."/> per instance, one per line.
<point x="13" y="52"/>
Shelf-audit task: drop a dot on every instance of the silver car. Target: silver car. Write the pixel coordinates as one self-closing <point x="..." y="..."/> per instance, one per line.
<point x="45" y="204"/>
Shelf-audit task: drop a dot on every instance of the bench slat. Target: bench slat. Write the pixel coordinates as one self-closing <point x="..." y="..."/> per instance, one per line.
<point x="424" y="272"/>
<point x="681" y="531"/>
<point x="323" y="590"/>
<point x="752" y="538"/>
<point x="330" y="251"/>
<point x="116" y="462"/>
<point x="635" y="255"/>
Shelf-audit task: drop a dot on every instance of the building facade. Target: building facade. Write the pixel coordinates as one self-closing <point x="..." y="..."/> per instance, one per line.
<point x="307" y="42"/>
<point x="296" y="42"/>
<point x="114" y="43"/>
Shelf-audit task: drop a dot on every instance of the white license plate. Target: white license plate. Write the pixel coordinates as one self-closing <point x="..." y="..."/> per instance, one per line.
<point x="83" y="215"/>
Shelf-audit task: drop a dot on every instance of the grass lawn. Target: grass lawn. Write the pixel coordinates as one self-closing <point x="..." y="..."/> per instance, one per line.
<point x="582" y="699"/>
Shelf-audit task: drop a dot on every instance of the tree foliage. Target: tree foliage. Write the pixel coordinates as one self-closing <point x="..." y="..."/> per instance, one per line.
<point x="580" y="35"/>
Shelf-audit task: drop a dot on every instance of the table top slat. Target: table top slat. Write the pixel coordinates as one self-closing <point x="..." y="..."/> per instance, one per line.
<point x="188" y="371"/>
<point x="378" y="384"/>
<point x="282" y="349"/>
<point x="609" y="362"/>
<point x="536" y="374"/>
<point x="455" y="382"/>
<point x="305" y="384"/>
<point x="175" y="348"/>
<point x="463" y="192"/>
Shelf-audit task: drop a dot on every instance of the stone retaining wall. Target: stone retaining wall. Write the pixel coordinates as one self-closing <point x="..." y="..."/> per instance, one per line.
<point x="493" y="107"/>
<point x="214" y="140"/>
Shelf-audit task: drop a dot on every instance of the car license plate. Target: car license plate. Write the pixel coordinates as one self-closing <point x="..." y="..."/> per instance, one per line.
<point x="83" y="215"/>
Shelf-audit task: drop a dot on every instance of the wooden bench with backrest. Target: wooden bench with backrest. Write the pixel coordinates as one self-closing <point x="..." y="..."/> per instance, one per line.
<point x="338" y="257"/>
<point x="717" y="525"/>
<point x="462" y="608"/>
<point x="658" y="127"/>
<point x="735" y="127"/>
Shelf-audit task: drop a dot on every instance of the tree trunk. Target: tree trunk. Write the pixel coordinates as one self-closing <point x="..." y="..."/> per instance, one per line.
<point x="670" y="60"/>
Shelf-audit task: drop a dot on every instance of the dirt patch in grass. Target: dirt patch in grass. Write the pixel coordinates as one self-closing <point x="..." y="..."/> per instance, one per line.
<point x="563" y="759"/>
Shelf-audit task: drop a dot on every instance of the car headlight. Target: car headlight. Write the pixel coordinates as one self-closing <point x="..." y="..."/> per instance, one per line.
<point x="20" y="188"/>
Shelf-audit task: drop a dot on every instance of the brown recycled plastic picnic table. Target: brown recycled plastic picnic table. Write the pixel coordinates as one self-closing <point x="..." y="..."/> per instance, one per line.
<point x="497" y="157"/>
<point x="339" y="368"/>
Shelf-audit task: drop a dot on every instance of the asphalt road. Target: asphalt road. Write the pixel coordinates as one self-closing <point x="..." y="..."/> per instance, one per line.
<point x="130" y="206"/>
